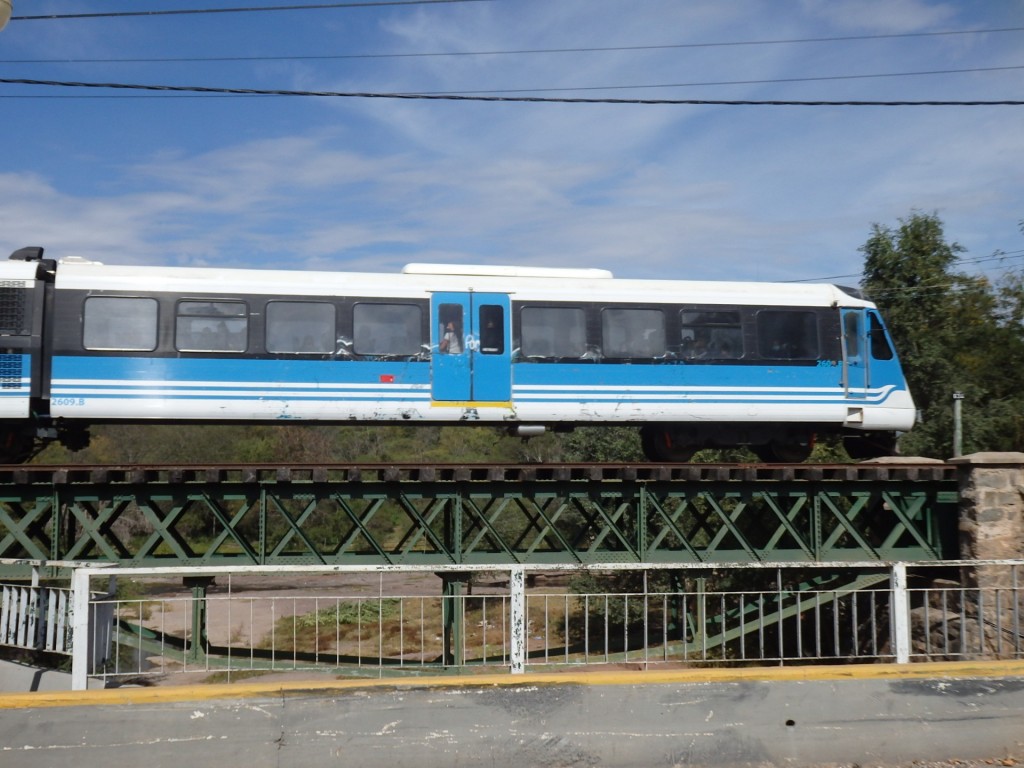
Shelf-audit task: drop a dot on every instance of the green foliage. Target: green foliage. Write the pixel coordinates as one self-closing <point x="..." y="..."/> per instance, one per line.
<point x="954" y="332"/>
<point x="370" y="611"/>
<point x="603" y="444"/>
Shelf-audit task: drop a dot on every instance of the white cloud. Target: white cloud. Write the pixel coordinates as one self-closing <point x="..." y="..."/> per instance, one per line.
<point x="719" y="192"/>
<point x="881" y="16"/>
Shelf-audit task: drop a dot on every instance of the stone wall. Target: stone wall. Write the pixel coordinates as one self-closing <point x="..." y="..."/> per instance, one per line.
<point x="991" y="506"/>
<point x="992" y="528"/>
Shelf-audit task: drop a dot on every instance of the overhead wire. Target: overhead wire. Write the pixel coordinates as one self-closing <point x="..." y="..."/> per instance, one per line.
<point x="245" y="9"/>
<point x="522" y="51"/>
<point x="708" y="83"/>
<point x="766" y="81"/>
<point x="997" y="256"/>
<point x="481" y="94"/>
<point x="490" y="95"/>
<point x="517" y="99"/>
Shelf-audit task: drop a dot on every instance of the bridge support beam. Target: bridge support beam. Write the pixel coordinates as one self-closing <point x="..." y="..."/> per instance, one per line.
<point x="453" y="617"/>
<point x="199" y="586"/>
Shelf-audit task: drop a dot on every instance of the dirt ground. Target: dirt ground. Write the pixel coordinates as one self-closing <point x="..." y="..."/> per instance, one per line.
<point x="256" y="612"/>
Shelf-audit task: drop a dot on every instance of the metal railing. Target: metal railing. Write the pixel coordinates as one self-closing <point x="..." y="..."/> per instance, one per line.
<point x="39" y="617"/>
<point x="35" y="618"/>
<point x="375" y="622"/>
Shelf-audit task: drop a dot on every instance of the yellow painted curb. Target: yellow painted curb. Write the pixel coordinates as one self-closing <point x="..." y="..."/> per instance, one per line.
<point x="172" y="693"/>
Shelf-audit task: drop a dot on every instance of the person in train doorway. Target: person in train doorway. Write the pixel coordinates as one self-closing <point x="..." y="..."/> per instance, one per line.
<point x="450" y="342"/>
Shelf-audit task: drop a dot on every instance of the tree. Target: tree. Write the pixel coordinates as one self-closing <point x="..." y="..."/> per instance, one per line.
<point x="954" y="332"/>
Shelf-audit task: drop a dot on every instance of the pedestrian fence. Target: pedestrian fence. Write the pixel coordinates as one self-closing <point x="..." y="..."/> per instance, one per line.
<point x="170" y="624"/>
<point x="39" y="617"/>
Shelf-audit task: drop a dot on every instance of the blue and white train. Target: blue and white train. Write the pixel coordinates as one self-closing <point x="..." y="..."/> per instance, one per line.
<point x="692" y="364"/>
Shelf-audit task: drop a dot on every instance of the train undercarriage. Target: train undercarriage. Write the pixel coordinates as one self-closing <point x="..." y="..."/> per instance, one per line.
<point x="771" y="443"/>
<point x="666" y="443"/>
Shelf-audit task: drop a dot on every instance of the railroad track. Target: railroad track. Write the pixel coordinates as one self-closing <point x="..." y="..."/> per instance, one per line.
<point x="461" y="473"/>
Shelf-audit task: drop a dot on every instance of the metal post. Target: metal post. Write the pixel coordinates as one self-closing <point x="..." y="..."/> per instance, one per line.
<point x="958" y="429"/>
<point x="199" y="586"/>
<point x="900" y="607"/>
<point x="80" y="629"/>
<point x="452" y="615"/>
<point x="517" y="620"/>
<point x="701" y="615"/>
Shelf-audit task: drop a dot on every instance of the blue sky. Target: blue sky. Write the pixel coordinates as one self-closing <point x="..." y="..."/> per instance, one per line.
<point x="673" y="191"/>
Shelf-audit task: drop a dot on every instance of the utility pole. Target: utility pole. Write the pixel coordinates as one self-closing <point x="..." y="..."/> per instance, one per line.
<point x="958" y="427"/>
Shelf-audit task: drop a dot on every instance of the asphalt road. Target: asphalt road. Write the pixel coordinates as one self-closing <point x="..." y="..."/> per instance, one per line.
<point x="638" y="719"/>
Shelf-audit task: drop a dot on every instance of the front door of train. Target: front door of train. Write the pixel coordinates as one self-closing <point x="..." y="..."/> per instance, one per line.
<point x="470" y="338"/>
<point x="855" y="354"/>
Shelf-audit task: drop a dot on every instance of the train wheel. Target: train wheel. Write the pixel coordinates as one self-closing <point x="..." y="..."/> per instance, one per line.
<point x="658" y="445"/>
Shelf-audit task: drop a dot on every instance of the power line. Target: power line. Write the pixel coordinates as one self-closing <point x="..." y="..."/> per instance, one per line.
<point x="511" y="52"/>
<point x="822" y="78"/>
<point x="746" y="82"/>
<point x="997" y="256"/>
<point x="767" y="81"/>
<point x="516" y="99"/>
<point x="248" y="9"/>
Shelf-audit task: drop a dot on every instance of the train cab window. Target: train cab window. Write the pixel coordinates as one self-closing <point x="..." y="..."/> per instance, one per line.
<point x="553" y="332"/>
<point x="211" y="326"/>
<point x="787" y="334"/>
<point x="387" y="329"/>
<point x="492" y="329"/>
<point x="881" y="349"/>
<point x="300" y="327"/>
<point x="710" y="335"/>
<point x="635" y="333"/>
<point x="851" y="334"/>
<point x="119" y="323"/>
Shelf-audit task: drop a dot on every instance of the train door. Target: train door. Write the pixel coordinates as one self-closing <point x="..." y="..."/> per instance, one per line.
<point x="855" y="366"/>
<point x="472" y="354"/>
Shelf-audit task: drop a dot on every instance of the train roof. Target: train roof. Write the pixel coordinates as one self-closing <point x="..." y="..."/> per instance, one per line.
<point x="417" y="281"/>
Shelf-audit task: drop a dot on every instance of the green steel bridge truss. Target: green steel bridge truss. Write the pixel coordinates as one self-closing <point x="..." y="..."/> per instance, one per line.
<point x="448" y="516"/>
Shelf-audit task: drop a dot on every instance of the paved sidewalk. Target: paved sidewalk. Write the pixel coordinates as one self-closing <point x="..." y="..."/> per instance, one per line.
<point x="868" y="715"/>
<point x="23" y="678"/>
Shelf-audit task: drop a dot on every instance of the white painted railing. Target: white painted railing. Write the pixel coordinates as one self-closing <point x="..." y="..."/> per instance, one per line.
<point x="38" y="617"/>
<point x="355" y="622"/>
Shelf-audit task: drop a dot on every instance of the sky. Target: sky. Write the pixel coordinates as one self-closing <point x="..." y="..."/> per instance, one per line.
<point x="663" y="191"/>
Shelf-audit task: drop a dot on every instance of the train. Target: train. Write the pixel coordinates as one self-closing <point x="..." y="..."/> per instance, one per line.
<point x="691" y="364"/>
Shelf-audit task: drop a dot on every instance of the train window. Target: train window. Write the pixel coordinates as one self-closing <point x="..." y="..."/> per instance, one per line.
<point x="881" y="349"/>
<point x="633" y="332"/>
<point x="710" y="335"/>
<point x="387" y="329"/>
<point x="300" y="327"/>
<point x="119" y="322"/>
<point x="211" y="326"/>
<point x="851" y="334"/>
<point x="787" y="334"/>
<point x="492" y="329"/>
<point x="553" y="332"/>
<point x="450" y="329"/>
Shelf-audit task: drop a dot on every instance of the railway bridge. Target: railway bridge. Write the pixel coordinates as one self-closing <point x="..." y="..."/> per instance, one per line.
<point x="447" y="516"/>
<point x="862" y="523"/>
